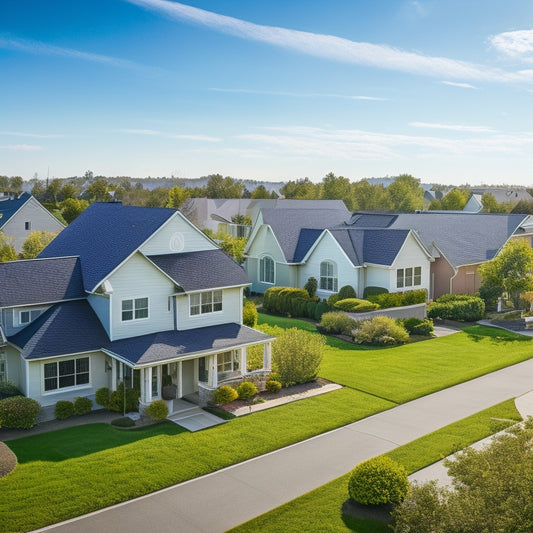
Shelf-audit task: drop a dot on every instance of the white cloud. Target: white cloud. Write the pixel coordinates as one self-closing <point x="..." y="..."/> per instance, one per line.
<point x="517" y="44"/>
<point x="34" y="135"/>
<point x="185" y="136"/>
<point x="453" y="127"/>
<point x="335" y="48"/>
<point x="459" y="84"/>
<point x="21" y="147"/>
<point x="299" y="95"/>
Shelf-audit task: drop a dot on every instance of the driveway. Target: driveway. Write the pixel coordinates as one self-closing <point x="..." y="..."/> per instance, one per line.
<point x="224" y="499"/>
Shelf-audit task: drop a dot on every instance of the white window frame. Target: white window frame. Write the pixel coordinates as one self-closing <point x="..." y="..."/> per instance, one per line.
<point x="205" y="301"/>
<point x="75" y="374"/>
<point x="262" y="270"/>
<point x="324" y="280"/>
<point x="231" y="365"/>
<point x="30" y="311"/>
<point x="135" y="307"/>
<point x="407" y="277"/>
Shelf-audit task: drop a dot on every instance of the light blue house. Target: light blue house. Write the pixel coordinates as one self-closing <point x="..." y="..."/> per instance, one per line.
<point x="125" y="294"/>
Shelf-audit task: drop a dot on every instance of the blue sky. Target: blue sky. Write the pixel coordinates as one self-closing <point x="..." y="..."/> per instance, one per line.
<point x="441" y="89"/>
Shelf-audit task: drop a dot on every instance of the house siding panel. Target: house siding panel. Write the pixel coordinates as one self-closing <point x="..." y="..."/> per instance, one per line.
<point x="138" y="278"/>
<point x="12" y="315"/>
<point x="411" y="255"/>
<point x="442" y="272"/>
<point x="13" y="361"/>
<point x="467" y="281"/>
<point x="231" y="311"/>
<point x="100" y="305"/>
<point x="380" y="277"/>
<point x="193" y="240"/>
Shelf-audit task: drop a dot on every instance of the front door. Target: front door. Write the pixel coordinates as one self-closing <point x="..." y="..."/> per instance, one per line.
<point x="189" y="383"/>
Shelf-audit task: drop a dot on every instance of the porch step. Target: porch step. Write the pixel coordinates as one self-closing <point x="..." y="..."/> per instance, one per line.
<point x="195" y="419"/>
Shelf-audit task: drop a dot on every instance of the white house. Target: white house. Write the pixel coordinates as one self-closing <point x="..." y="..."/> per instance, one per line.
<point x="125" y="294"/>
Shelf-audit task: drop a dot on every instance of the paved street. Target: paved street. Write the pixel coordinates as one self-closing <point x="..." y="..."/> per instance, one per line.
<point x="224" y="499"/>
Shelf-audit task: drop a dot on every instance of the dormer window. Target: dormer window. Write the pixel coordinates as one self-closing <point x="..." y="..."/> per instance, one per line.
<point x="25" y="317"/>
<point x="27" y="226"/>
<point x="134" y="309"/>
<point x="205" y="302"/>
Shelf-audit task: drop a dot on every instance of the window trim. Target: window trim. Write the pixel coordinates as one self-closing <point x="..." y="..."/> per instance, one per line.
<point x="58" y="388"/>
<point x="262" y="270"/>
<point x="234" y="361"/>
<point x="134" y="309"/>
<point x="27" y="225"/>
<point x="402" y="277"/>
<point x="18" y="316"/>
<point x="201" y="304"/>
<point x="334" y="276"/>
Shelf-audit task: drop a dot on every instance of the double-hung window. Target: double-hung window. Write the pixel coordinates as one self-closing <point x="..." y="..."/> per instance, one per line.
<point x="266" y="269"/>
<point x="328" y="276"/>
<point x="228" y="361"/>
<point x="408" y="277"/>
<point x="205" y="302"/>
<point x="134" y="309"/>
<point x="63" y="374"/>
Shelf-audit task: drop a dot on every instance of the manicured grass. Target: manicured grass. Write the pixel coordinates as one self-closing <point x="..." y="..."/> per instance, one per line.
<point x="321" y="509"/>
<point x="66" y="473"/>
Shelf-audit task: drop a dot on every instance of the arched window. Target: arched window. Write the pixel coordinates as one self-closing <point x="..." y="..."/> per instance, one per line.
<point x="328" y="276"/>
<point x="266" y="269"/>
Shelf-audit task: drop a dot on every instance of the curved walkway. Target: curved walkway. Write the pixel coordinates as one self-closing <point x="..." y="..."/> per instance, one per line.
<point x="224" y="499"/>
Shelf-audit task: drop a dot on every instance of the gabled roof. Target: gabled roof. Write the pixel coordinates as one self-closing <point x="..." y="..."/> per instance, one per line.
<point x="207" y="269"/>
<point x="169" y="345"/>
<point x="65" y="328"/>
<point x="9" y="207"/>
<point x="463" y="238"/>
<point x="104" y="235"/>
<point x="288" y="223"/>
<point x="306" y="240"/>
<point x="39" y="281"/>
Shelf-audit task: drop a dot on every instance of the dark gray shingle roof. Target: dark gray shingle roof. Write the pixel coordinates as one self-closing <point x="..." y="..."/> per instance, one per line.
<point x="37" y="281"/>
<point x="208" y="269"/>
<point x="9" y="207"/>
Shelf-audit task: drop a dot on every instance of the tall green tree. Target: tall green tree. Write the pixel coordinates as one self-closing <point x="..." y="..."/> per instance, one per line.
<point x="176" y="197"/>
<point x="7" y="251"/>
<point x="301" y="189"/>
<point x="219" y="187"/>
<point x="406" y="194"/>
<point x="371" y="197"/>
<point x="15" y="184"/>
<point x="338" y="188"/>
<point x="98" y="191"/>
<point x="260" y="193"/>
<point x="71" y="208"/>
<point x="36" y="243"/>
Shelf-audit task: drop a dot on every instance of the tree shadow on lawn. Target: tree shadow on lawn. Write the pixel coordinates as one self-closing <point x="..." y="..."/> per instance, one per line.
<point x="79" y="441"/>
<point x="366" y="518"/>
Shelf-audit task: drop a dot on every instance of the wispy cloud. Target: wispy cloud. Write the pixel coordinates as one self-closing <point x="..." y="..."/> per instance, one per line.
<point x="459" y="84"/>
<point x="40" y="48"/>
<point x="335" y="48"/>
<point x="21" y="147"/>
<point x="516" y="44"/>
<point x="184" y="136"/>
<point x="34" y="135"/>
<point x="299" y="95"/>
<point x="453" y="127"/>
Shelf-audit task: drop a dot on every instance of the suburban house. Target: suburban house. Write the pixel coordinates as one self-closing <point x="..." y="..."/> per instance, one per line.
<point x="438" y="251"/>
<point x="216" y="214"/>
<point x="22" y="214"/>
<point x="502" y="195"/>
<point x="125" y="294"/>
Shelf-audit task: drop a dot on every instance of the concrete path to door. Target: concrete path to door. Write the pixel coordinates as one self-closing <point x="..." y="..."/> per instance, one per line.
<point x="228" y="497"/>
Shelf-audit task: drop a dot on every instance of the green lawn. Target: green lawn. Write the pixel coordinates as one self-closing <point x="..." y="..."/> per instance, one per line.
<point x="321" y="509"/>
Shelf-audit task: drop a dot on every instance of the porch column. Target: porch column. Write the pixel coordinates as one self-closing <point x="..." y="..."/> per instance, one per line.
<point x="212" y="378"/>
<point x="180" y="380"/>
<point x="113" y="375"/>
<point x="120" y="371"/>
<point x="242" y="361"/>
<point x="267" y="356"/>
<point x="148" y="375"/>
<point x="143" y="386"/>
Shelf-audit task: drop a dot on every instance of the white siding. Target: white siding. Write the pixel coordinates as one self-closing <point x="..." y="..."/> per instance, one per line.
<point x="12" y="323"/>
<point x="231" y="311"/>
<point x="38" y="216"/>
<point x="98" y="378"/>
<point x="380" y="277"/>
<point x="411" y="255"/>
<point x="100" y="305"/>
<point x="138" y="278"/>
<point x="179" y="232"/>
<point x="13" y="362"/>
<point x="328" y="249"/>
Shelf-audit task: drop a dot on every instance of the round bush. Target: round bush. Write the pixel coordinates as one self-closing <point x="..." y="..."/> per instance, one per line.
<point x="337" y="323"/>
<point x="378" y="481"/>
<point x="381" y="331"/>
<point x="123" y="422"/>
<point x="272" y="385"/>
<point x="347" y="292"/>
<point x="101" y="397"/>
<point x="249" y="314"/>
<point x="116" y="400"/>
<point x="63" y="409"/>
<point x="8" y="389"/>
<point x="225" y="394"/>
<point x="355" y="305"/>
<point x="19" y="412"/>
<point x="246" y="390"/>
<point x="82" y="405"/>
<point x="157" y="410"/>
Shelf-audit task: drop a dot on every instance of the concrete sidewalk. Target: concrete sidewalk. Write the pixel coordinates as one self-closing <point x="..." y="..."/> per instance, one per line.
<point x="224" y="499"/>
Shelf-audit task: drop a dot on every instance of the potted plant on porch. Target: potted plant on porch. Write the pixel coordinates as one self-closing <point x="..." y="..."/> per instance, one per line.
<point x="169" y="391"/>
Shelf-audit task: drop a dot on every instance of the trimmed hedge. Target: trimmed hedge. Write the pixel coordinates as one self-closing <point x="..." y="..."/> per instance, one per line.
<point x="225" y="394"/>
<point x="157" y="410"/>
<point x="462" y="307"/>
<point x="82" y="405"/>
<point x="381" y="331"/>
<point x="398" y="299"/>
<point x="374" y="291"/>
<point x="19" y="412"/>
<point x="272" y="385"/>
<point x="249" y="314"/>
<point x="8" y="389"/>
<point x="347" y="292"/>
<point x="355" y="305"/>
<point x="246" y="390"/>
<point x="416" y="326"/>
<point x="123" y="422"/>
<point x="116" y="400"/>
<point x="337" y="323"/>
<point x="293" y="302"/>
<point x="63" y="409"/>
<point x="101" y="397"/>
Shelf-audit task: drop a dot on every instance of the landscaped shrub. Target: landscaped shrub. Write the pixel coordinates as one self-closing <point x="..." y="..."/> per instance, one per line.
<point x="225" y="394"/>
<point x="277" y="299"/>
<point x="311" y="286"/>
<point x="157" y="410"/>
<point x="337" y="323"/>
<point x="117" y="403"/>
<point x="101" y="397"/>
<point x="381" y="331"/>
<point x="378" y="481"/>
<point x="319" y="310"/>
<point x="347" y="292"/>
<point x="355" y="305"/>
<point x="246" y="390"/>
<point x="249" y="314"/>
<point x="374" y="291"/>
<point x="465" y="308"/>
<point x="8" y="389"/>
<point x="63" y="409"/>
<point x="272" y="385"/>
<point x="82" y="405"/>
<point x="417" y="326"/>
<point x="399" y="299"/>
<point x="296" y="355"/>
<point x="19" y="412"/>
<point x="166" y="380"/>
<point x="333" y="299"/>
<point x="123" y="422"/>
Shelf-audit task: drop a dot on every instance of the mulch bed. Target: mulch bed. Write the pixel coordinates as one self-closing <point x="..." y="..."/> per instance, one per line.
<point x="8" y="460"/>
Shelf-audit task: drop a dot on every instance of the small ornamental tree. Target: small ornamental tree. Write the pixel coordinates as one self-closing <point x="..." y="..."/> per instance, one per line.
<point x="249" y="314"/>
<point x="378" y="481"/>
<point x="311" y="286"/>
